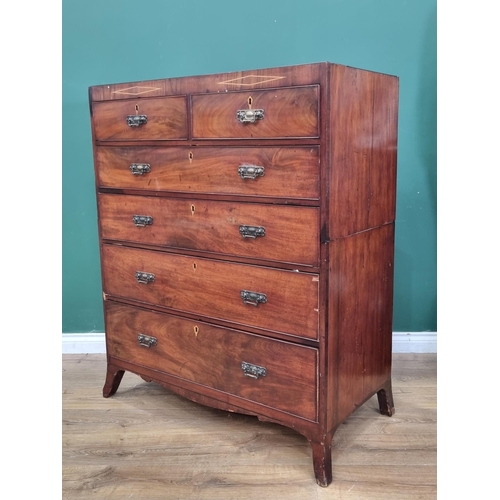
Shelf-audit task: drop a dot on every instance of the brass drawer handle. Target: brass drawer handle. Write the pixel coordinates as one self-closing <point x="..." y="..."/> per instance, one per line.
<point x="136" y="120"/>
<point x="249" y="115"/>
<point x="253" y="298"/>
<point x="144" y="278"/>
<point x="146" y="340"/>
<point x="253" y="371"/>
<point x="142" y="220"/>
<point x="252" y="231"/>
<point x="251" y="171"/>
<point x="140" y="168"/>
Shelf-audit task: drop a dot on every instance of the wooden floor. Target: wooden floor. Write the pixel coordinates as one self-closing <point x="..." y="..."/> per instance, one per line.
<point x="145" y="442"/>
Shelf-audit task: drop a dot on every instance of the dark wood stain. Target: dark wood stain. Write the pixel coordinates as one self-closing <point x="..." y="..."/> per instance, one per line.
<point x="289" y="171"/>
<point x="212" y="356"/>
<point x="291" y="233"/>
<point x="166" y="119"/>
<point x="328" y="143"/>
<point x="214" y="288"/>
<point x="287" y="113"/>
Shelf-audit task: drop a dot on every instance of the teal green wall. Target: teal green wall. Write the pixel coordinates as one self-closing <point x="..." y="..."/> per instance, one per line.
<point x="111" y="41"/>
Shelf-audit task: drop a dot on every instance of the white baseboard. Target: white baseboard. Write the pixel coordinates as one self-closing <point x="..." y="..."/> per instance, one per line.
<point x="414" y="342"/>
<point x="93" y="343"/>
<point x="83" y="343"/>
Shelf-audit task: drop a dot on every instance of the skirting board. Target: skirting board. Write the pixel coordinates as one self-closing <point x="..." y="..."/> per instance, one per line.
<point x="92" y="343"/>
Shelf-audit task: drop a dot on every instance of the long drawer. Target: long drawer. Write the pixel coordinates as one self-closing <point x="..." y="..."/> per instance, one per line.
<point x="270" y="372"/>
<point x="280" y="233"/>
<point x="279" y="113"/>
<point x="291" y="172"/>
<point x="272" y="299"/>
<point x="141" y="119"/>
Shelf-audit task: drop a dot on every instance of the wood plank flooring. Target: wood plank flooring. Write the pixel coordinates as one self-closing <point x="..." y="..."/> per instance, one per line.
<point x="147" y="443"/>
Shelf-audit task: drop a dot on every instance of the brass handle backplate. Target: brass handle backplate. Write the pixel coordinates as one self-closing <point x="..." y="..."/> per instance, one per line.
<point x="142" y="220"/>
<point x="253" y="298"/>
<point x="140" y="168"/>
<point x="136" y="120"/>
<point x="249" y="115"/>
<point x="144" y="278"/>
<point x="253" y="371"/>
<point x="250" y="171"/>
<point x="146" y="340"/>
<point x="252" y="231"/>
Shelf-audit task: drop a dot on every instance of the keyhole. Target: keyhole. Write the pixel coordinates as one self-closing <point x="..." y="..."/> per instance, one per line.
<point x="192" y="209"/>
<point x="196" y="330"/>
<point x="136" y="108"/>
<point x="190" y="157"/>
<point x="250" y="102"/>
<point x="194" y="266"/>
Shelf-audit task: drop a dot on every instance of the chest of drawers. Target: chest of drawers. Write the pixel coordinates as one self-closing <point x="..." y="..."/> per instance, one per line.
<point x="246" y="228"/>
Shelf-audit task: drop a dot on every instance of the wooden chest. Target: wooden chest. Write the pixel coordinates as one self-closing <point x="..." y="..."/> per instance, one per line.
<point x="246" y="225"/>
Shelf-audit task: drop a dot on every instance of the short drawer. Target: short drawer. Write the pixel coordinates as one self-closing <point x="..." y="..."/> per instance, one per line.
<point x="269" y="372"/>
<point x="142" y="119"/>
<point x="280" y="113"/>
<point x="289" y="172"/>
<point x="265" y="298"/>
<point x="270" y="232"/>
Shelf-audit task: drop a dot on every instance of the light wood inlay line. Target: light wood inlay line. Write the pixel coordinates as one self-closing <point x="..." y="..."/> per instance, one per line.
<point x="138" y="92"/>
<point x="259" y="80"/>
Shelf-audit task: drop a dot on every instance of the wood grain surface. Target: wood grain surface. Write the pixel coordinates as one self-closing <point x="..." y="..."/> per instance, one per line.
<point x="291" y="233"/>
<point x="292" y="112"/>
<point x="364" y="125"/>
<point x="336" y="297"/>
<point x="166" y="119"/>
<point x="212" y="356"/>
<point x="212" y="289"/>
<point x="284" y="76"/>
<point x="148" y="443"/>
<point x="291" y="172"/>
<point x="363" y="290"/>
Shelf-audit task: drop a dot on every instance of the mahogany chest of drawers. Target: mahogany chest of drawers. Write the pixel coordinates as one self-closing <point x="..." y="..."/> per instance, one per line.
<point x="246" y="225"/>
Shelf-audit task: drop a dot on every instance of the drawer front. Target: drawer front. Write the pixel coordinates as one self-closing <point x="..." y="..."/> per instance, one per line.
<point x="290" y="112"/>
<point x="213" y="357"/>
<point x="214" y="289"/>
<point x="280" y="233"/>
<point x="166" y="119"/>
<point x="290" y="172"/>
